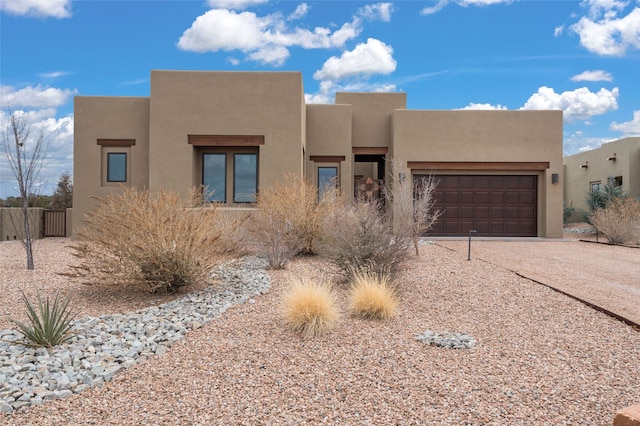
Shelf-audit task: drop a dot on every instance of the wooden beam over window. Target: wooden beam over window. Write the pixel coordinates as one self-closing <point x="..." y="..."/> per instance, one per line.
<point x="478" y="165"/>
<point x="117" y="142"/>
<point x="327" y="158"/>
<point x="226" y="140"/>
<point x="369" y="150"/>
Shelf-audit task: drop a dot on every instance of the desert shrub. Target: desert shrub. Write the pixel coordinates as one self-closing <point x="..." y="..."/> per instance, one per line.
<point x="600" y="198"/>
<point x="567" y="211"/>
<point x="372" y="296"/>
<point x="289" y="218"/>
<point x="309" y="307"/>
<point x="157" y="241"/>
<point x="359" y="236"/>
<point x="49" y="325"/>
<point x="619" y="221"/>
<point x="413" y="204"/>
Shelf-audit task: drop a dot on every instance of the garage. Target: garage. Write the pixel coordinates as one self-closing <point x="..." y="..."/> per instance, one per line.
<point x="494" y="205"/>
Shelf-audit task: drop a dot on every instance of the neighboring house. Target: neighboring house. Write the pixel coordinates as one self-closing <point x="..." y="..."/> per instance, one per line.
<point x="587" y="171"/>
<point x="237" y="132"/>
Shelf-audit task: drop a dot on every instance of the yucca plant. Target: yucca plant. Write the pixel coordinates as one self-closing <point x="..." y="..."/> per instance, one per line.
<point x="49" y="323"/>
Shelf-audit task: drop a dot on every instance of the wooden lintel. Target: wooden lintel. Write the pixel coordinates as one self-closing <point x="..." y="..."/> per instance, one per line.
<point x="327" y="158"/>
<point x="478" y="165"/>
<point x="226" y="140"/>
<point x="369" y="150"/>
<point x="116" y="142"/>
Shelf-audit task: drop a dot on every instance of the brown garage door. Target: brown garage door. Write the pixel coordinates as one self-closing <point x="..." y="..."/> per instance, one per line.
<point x="503" y="206"/>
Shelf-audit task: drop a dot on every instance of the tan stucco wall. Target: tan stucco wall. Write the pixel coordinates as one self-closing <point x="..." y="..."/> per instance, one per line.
<point x="599" y="168"/>
<point x="372" y="116"/>
<point x="223" y="103"/>
<point x="488" y="136"/>
<point x="329" y="134"/>
<point x="106" y="118"/>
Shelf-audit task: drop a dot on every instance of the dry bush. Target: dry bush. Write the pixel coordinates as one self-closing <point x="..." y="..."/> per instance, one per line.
<point x="359" y="236"/>
<point x="289" y="218"/>
<point x="619" y="222"/>
<point x="157" y="241"/>
<point x="309" y="307"/>
<point x="372" y="296"/>
<point x="413" y="202"/>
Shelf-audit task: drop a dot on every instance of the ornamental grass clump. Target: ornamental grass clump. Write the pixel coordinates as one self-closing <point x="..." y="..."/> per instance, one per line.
<point x="372" y="296"/>
<point x="159" y="241"/>
<point x="49" y="323"/>
<point x="309" y="308"/>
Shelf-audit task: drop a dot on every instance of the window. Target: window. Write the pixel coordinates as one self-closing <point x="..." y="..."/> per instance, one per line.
<point x="214" y="177"/>
<point x="245" y="178"/>
<point x="230" y="171"/>
<point x="327" y="179"/>
<point x="617" y="181"/>
<point x="595" y="186"/>
<point x="116" y="167"/>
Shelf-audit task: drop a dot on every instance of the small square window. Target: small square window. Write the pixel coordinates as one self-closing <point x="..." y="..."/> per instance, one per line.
<point x="617" y="181"/>
<point x="595" y="186"/>
<point x="116" y="167"/>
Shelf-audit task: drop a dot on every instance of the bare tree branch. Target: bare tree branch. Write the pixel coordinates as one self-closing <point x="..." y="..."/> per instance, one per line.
<point x="24" y="153"/>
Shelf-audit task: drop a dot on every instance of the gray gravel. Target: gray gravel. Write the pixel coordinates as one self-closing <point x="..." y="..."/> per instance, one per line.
<point x="107" y="345"/>
<point x="540" y="359"/>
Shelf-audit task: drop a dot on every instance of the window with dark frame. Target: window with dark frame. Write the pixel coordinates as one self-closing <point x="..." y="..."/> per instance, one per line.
<point x="617" y="180"/>
<point x="116" y="167"/>
<point x="245" y="177"/>
<point x="327" y="179"/>
<point x="595" y="186"/>
<point x="214" y="177"/>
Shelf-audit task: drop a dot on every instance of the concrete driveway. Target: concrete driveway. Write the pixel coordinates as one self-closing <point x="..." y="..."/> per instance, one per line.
<point x="600" y="274"/>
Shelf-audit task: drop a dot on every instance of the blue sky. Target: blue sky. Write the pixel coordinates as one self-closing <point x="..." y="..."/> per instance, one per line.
<point x="579" y="56"/>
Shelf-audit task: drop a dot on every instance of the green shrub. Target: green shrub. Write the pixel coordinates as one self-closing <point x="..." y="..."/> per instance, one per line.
<point x="309" y="308"/>
<point x="372" y="296"/>
<point x="600" y="198"/>
<point x="157" y="241"/>
<point x="50" y="324"/>
<point x="360" y="236"/>
<point x="619" y="221"/>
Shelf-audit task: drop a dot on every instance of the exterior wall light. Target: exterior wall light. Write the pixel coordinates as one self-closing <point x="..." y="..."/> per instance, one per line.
<point x="612" y="158"/>
<point x="555" y="178"/>
<point x="585" y="165"/>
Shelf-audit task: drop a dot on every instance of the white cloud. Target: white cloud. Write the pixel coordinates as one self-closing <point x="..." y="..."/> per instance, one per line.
<point x="58" y="138"/>
<point x="474" y="106"/>
<point x="579" y="104"/>
<point x="593" y="75"/>
<point x="300" y="12"/>
<point x="578" y="142"/>
<point x="465" y="3"/>
<point x="378" y="11"/>
<point x="262" y="38"/>
<point x="327" y="90"/>
<point x="629" y="128"/>
<point x="37" y="8"/>
<point x="557" y="32"/>
<point x="234" y="4"/>
<point x="372" y="57"/>
<point x="34" y="97"/>
<point x="603" y="33"/>
<point x="55" y="74"/>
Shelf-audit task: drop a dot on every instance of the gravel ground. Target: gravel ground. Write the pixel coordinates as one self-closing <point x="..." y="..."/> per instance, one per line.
<point x="607" y="276"/>
<point x="541" y="358"/>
